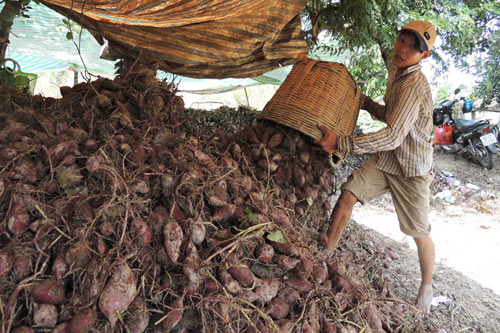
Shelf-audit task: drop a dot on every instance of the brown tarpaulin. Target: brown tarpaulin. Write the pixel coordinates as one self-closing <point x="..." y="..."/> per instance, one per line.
<point x="211" y="38"/>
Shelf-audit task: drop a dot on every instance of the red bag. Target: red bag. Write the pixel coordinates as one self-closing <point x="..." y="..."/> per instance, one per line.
<point x="443" y="135"/>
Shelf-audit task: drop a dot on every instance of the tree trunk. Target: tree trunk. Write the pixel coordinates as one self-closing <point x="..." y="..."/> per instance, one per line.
<point x="9" y="12"/>
<point x="387" y="55"/>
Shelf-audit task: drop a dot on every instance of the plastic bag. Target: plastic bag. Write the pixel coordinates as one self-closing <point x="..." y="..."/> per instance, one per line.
<point x="443" y="135"/>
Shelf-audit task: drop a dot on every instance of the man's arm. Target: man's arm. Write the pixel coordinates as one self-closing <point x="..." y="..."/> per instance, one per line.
<point x="375" y="109"/>
<point x="399" y="123"/>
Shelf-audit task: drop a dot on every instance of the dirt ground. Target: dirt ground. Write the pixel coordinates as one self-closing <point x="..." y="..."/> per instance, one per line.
<point x="466" y="232"/>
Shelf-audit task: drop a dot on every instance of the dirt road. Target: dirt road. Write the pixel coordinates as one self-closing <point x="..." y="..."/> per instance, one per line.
<point x="466" y="232"/>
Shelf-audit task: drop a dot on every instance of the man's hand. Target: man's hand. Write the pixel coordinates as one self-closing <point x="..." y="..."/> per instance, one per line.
<point x="329" y="141"/>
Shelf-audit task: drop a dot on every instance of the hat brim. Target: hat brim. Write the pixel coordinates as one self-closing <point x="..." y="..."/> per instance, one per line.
<point x="422" y="46"/>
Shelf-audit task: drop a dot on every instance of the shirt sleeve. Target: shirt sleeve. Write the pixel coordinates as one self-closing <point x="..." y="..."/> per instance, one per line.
<point x="399" y="123"/>
<point x="375" y="109"/>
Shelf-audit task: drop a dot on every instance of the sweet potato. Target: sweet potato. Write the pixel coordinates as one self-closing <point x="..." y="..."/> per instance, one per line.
<point x="173" y="236"/>
<point x="49" y="291"/>
<point x="139" y="316"/>
<point x="140" y="186"/>
<point x="161" y="255"/>
<point x="284" y="262"/>
<point x="158" y="219"/>
<point x="327" y="326"/>
<point x="167" y="183"/>
<point x="226" y="162"/>
<point x="107" y="229"/>
<point x="290" y="295"/>
<point x="224" y="213"/>
<point x="101" y="246"/>
<point x="304" y="268"/>
<point x="250" y="135"/>
<point x="202" y="158"/>
<point x="178" y="215"/>
<point x="302" y="285"/>
<point x="6" y="263"/>
<point x="211" y="286"/>
<point x="78" y="255"/>
<point x="170" y="282"/>
<point x="45" y="315"/>
<point x="61" y="328"/>
<point x="21" y="266"/>
<point x="268" y="165"/>
<point x="137" y="155"/>
<point x="174" y="315"/>
<point x="371" y="314"/>
<point x="280" y="219"/>
<point x="320" y="273"/>
<point x="118" y="293"/>
<point x="299" y="178"/>
<point x="248" y="295"/>
<point x="242" y="274"/>
<point x="235" y="151"/>
<point x="142" y="231"/>
<point x="267" y="289"/>
<point x="286" y="248"/>
<point x="198" y="232"/>
<point x="82" y="322"/>
<point x="191" y="268"/>
<point x="275" y="140"/>
<point x="341" y="283"/>
<point x="228" y="281"/>
<point x="59" y="267"/>
<point x="28" y="171"/>
<point x="306" y="327"/>
<point x="85" y="211"/>
<point x="215" y="201"/>
<point x="279" y="308"/>
<point x="264" y="252"/>
<point x="18" y="219"/>
<point x="304" y="156"/>
<point x="168" y="139"/>
<point x="286" y="326"/>
<point x="94" y="163"/>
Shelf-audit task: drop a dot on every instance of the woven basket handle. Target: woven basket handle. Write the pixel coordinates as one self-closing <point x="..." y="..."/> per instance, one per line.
<point x="306" y="71"/>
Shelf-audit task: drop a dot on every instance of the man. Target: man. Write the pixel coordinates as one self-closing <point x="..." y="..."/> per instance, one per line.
<point x="403" y="160"/>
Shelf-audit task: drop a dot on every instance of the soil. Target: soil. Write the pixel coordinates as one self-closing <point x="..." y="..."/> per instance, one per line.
<point x="466" y="232"/>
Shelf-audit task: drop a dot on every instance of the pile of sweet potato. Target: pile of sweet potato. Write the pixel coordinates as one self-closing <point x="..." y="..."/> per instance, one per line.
<point x="115" y="217"/>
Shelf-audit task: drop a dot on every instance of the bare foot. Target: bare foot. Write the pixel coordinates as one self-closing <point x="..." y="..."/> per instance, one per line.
<point x="424" y="298"/>
<point x="323" y="238"/>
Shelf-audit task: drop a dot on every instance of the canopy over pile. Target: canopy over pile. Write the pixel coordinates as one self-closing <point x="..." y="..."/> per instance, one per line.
<point x="216" y="39"/>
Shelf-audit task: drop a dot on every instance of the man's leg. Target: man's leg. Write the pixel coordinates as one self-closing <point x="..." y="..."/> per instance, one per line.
<point x="340" y="217"/>
<point x="426" y="254"/>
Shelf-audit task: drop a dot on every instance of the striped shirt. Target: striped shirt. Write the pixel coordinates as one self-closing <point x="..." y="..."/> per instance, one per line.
<point x="404" y="146"/>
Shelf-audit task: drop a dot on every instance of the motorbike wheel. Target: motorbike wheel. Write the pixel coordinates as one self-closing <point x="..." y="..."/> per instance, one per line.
<point x="483" y="156"/>
<point x="450" y="149"/>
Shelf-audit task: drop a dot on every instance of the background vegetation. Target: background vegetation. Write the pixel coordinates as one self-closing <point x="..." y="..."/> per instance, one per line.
<point x="469" y="32"/>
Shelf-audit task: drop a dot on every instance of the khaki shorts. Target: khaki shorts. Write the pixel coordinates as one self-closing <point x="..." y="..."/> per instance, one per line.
<point x="410" y="195"/>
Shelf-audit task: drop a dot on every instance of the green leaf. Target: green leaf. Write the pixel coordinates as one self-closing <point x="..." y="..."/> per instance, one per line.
<point x="249" y="213"/>
<point x="309" y="201"/>
<point x="69" y="35"/>
<point x="276" y="236"/>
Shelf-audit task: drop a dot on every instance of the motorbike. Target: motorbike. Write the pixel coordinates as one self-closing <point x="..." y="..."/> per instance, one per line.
<point x="478" y="139"/>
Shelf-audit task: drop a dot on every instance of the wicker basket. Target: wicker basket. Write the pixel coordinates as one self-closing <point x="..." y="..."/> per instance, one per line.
<point x="316" y="92"/>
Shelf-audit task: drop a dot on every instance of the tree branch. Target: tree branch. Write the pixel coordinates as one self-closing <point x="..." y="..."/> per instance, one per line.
<point x="7" y="16"/>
